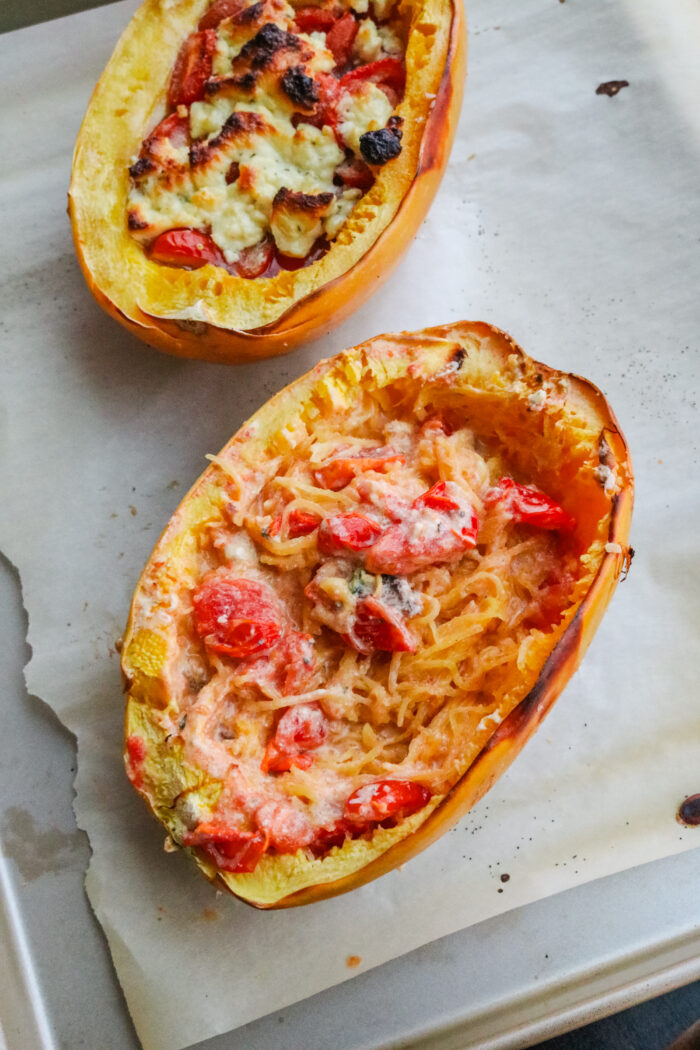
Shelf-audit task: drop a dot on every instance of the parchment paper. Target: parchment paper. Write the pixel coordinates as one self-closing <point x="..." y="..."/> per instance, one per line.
<point x="567" y="217"/>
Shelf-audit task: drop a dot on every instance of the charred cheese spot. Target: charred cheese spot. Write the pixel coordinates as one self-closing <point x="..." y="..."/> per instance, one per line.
<point x="239" y="129"/>
<point x="378" y="147"/>
<point x="300" y="88"/>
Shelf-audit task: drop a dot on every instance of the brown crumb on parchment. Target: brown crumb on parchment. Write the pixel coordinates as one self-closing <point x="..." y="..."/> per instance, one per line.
<point x="611" y="87"/>
<point x="353" y="960"/>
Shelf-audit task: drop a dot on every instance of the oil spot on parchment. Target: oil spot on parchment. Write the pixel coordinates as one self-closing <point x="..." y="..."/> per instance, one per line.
<point x="611" y="87"/>
<point x="36" y="851"/>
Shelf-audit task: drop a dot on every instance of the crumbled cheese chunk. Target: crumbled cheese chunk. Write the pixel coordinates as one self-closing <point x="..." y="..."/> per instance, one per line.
<point x="365" y="109"/>
<point x="301" y="159"/>
<point x="390" y="41"/>
<point x="368" y="43"/>
<point x="613" y="548"/>
<point x="537" y="400"/>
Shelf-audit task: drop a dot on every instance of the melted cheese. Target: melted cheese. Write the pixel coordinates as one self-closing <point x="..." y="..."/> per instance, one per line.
<point x="277" y="155"/>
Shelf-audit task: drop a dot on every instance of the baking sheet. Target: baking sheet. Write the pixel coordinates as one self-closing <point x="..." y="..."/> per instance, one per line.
<point x="566" y="217"/>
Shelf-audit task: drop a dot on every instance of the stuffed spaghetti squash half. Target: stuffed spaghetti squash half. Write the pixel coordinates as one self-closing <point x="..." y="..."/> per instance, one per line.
<point x="249" y="171"/>
<point x="365" y="606"/>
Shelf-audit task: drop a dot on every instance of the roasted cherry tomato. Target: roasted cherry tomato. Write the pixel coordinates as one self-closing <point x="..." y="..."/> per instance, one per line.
<point x="384" y="799"/>
<point x="229" y="848"/>
<point x="378" y="628"/>
<point x="438" y="498"/>
<point x="236" y="617"/>
<point x="286" y="667"/>
<point x="385" y="72"/>
<point x="299" y="523"/>
<point x="341" y="37"/>
<point x="300" y="729"/>
<point x="338" y="473"/>
<point x="314" y="19"/>
<point x="192" y="68"/>
<point x="355" y="174"/>
<point x="439" y="534"/>
<point x="254" y="261"/>
<point x="173" y="129"/>
<point x="335" y="834"/>
<point x="186" y="247"/>
<point x="527" y="505"/>
<point x="353" y="532"/>
<point x="220" y="10"/>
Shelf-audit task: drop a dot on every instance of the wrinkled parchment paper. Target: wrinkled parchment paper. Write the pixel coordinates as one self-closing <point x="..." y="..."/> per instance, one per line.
<point x="567" y="217"/>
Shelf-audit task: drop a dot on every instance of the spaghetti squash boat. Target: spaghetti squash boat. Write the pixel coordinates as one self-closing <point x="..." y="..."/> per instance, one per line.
<point x="249" y="171"/>
<point x="365" y="606"/>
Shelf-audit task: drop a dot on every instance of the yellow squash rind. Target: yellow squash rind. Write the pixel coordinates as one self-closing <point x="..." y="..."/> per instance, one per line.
<point x="208" y="313"/>
<point x="583" y="461"/>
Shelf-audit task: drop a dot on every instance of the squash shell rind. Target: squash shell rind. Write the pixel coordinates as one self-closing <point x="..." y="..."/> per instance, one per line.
<point x="381" y="358"/>
<point x="132" y="289"/>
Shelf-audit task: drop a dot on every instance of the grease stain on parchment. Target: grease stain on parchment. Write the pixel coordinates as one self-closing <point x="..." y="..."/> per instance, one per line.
<point x="36" y="851"/>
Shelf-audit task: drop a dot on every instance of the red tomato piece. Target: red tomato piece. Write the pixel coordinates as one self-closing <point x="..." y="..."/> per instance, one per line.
<point x="254" y="261"/>
<point x="384" y="799"/>
<point x="299" y="523"/>
<point x="386" y="72"/>
<point x="335" y="834"/>
<point x="192" y="68"/>
<point x="341" y="37"/>
<point x="527" y="505"/>
<point x="338" y="473"/>
<point x="230" y="848"/>
<point x="236" y="617"/>
<point x="287" y="666"/>
<point x="352" y="532"/>
<point x="300" y="729"/>
<point x="432" y="532"/>
<point x="437" y="498"/>
<point x="173" y="129"/>
<point x="220" y="10"/>
<point x="396" y="552"/>
<point x="355" y="174"/>
<point x="378" y="628"/>
<point x="136" y="752"/>
<point x="186" y="247"/>
<point x="314" y="19"/>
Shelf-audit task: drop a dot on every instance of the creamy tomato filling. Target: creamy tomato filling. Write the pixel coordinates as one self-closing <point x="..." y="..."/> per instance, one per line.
<point x="354" y="619"/>
<point x="278" y="118"/>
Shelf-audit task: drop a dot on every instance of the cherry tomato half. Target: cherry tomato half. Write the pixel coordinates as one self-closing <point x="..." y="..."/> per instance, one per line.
<point x="230" y="848"/>
<point x="353" y="532"/>
<point x="339" y="472"/>
<point x="236" y="617"/>
<point x="192" y="68"/>
<point x="386" y="798"/>
<point x="528" y="505"/>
